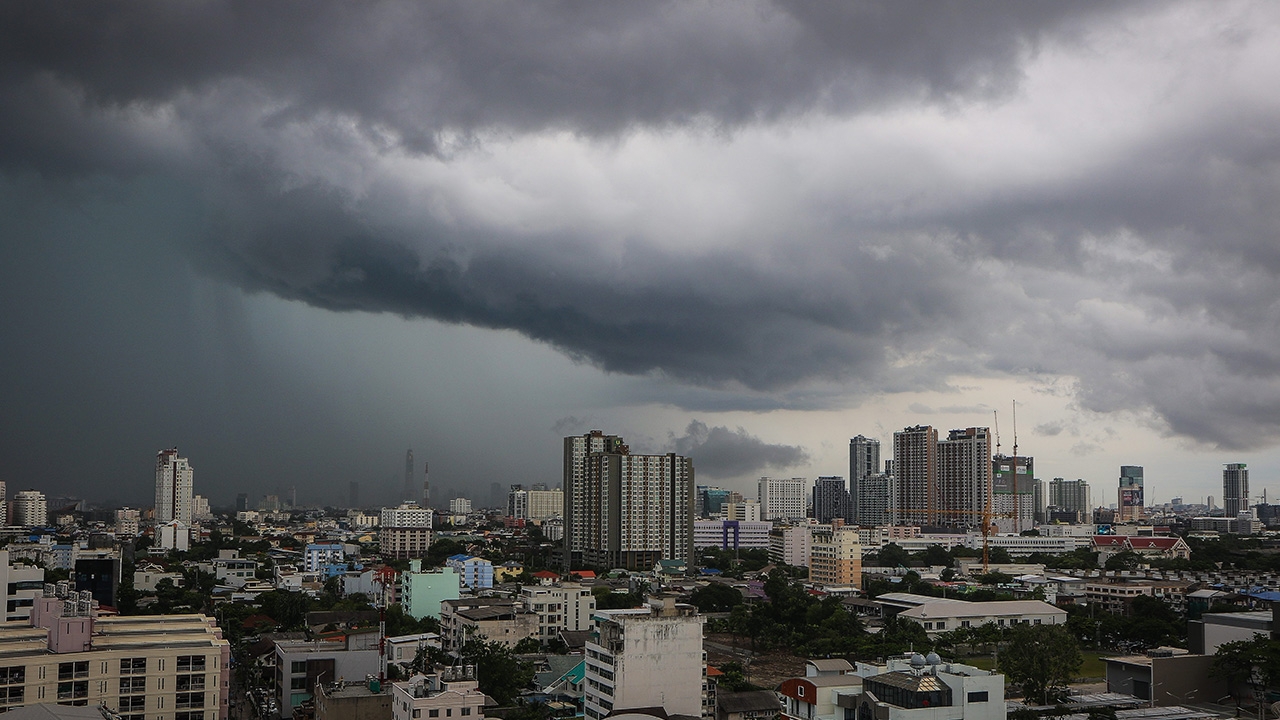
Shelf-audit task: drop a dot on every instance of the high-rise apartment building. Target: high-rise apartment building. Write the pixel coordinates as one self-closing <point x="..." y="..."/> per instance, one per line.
<point x="537" y="504"/>
<point x="175" y="484"/>
<point x="1235" y="488"/>
<point x="877" y="500"/>
<point x="127" y="520"/>
<point x="1130" y="496"/>
<point x="645" y="658"/>
<point x="1013" y="494"/>
<point x="964" y="477"/>
<point x="577" y="449"/>
<point x="830" y="499"/>
<point x="915" y="463"/>
<point x="864" y="461"/>
<point x="638" y="509"/>
<point x="30" y="509"/>
<point x="782" y="499"/>
<point x="1070" y="496"/>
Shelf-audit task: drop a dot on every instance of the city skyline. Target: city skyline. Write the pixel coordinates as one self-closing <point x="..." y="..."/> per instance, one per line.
<point x="752" y="234"/>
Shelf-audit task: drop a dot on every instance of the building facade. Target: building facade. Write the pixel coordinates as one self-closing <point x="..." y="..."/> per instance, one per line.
<point x="577" y="449"/>
<point x="963" y="477"/>
<point x="404" y="531"/>
<point x="782" y="499"/>
<point x="645" y="658"/>
<point x="915" y="463"/>
<point x="1070" y="496"/>
<point x="835" y="557"/>
<point x="830" y="499"/>
<point x="175" y="484"/>
<point x="864" y="461"/>
<point x="1013" y="498"/>
<point x="1235" y="488"/>
<point x="30" y="509"/>
<point x="877" y="500"/>
<point x="1130" y="497"/>
<point x="638" y="509"/>
<point x="731" y="534"/>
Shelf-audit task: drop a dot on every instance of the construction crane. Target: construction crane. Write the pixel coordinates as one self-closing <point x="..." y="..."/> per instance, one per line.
<point x="988" y="518"/>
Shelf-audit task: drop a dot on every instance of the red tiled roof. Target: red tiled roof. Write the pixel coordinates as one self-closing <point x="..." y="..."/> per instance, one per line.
<point x="545" y="574"/>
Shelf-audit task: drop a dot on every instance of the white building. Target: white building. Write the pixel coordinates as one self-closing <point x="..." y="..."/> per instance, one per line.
<point x="948" y="615"/>
<point x="791" y="545"/>
<point x="454" y="693"/>
<point x="175" y="483"/>
<point x="317" y="555"/>
<point x="639" y="509"/>
<point x="20" y="585"/>
<point x="731" y="534"/>
<point x="174" y="535"/>
<point x="644" y="658"/>
<point x="567" y="606"/>
<point x="200" y="508"/>
<point x="404" y="531"/>
<point x="30" y="509"/>
<point x="406" y="515"/>
<point x="460" y="506"/>
<point x="926" y="689"/>
<point x="782" y="499"/>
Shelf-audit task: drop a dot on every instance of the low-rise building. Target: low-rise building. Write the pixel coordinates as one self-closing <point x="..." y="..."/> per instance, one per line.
<point x="20" y="585"/>
<point x="476" y="572"/>
<point x="352" y="700"/>
<point x="495" y="619"/>
<point x="1206" y="635"/>
<point x="421" y="592"/>
<point x="559" y="607"/>
<point x="921" y="688"/>
<point x="450" y="693"/>
<point x="327" y="558"/>
<point x="945" y="616"/>
<point x="157" y="667"/>
<point x="731" y="534"/>
<point x="301" y="664"/>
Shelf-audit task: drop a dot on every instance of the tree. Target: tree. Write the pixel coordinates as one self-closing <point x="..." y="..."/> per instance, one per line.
<point x="935" y="555"/>
<point x="1126" y="560"/>
<point x="892" y="555"/>
<point x="716" y="597"/>
<point x="1041" y="659"/>
<point x="500" y="674"/>
<point x="1255" y="661"/>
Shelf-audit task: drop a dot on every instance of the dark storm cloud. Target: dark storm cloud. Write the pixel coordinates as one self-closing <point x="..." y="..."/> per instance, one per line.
<point x="414" y="70"/>
<point x="718" y="452"/>
<point x="1148" y="274"/>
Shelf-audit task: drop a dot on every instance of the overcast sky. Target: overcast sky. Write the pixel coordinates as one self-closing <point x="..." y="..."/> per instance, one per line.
<point x="296" y="239"/>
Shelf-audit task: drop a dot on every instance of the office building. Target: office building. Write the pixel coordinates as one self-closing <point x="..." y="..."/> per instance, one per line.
<point x="782" y="499"/>
<point x="1039" y="495"/>
<point x="1235" y="489"/>
<point x="648" y="657"/>
<point x="710" y="501"/>
<point x="157" y="667"/>
<point x="175" y="484"/>
<point x="1130" y="503"/>
<point x="830" y="499"/>
<point x="744" y="511"/>
<point x="638" y="509"/>
<point x="915" y="463"/>
<point x="576" y="451"/>
<point x="242" y="502"/>
<point x="1013" y="500"/>
<point x="1070" y="496"/>
<point x="877" y="500"/>
<point x="864" y="461"/>
<point x="30" y="509"/>
<point x="835" y="557"/>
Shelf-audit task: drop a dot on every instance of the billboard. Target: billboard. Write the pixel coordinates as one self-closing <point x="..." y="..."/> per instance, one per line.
<point x="1131" y="496"/>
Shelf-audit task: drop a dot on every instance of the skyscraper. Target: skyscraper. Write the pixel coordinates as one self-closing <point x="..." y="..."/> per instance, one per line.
<point x="1130" y="502"/>
<point x="577" y="449"/>
<point x="174" y="487"/>
<point x="830" y="499"/>
<point x="782" y="498"/>
<point x="864" y="461"/>
<point x="915" y="463"/>
<point x="877" y="506"/>
<point x="964" y="477"/>
<point x="638" y="509"/>
<point x="426" y="485"/>
<point x="1235" y="488"/>
<point x="1070" y="496"/>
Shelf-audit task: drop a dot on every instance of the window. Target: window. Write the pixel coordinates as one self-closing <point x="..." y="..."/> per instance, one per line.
<point x="73" y="690"/>
<point x="298" y="666"/>
<point x="466" y="711"/>
<point x="433" y="712"/>
<point x="189" y="700"/>
<point x="133" y="704"/>
<point x="196" y="715"/>
<point x="194" y="682"/>
<point x="979" y="696"/>
<point x="12" y="695"/>
<point x="195" y="663"/>
<point x="417" y="712"/>
<point x="15" y="675"/>
<point x="132" y="685"/>
<point x="73" y="670"/>
<point x="133" y="666"/>
<point x="298" y="683"/>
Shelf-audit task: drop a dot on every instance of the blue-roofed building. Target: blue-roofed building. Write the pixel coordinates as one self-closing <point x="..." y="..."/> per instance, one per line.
<point x="324" y="557"/>
<point x="475" y="572"/>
